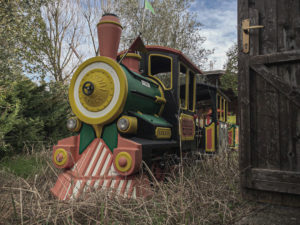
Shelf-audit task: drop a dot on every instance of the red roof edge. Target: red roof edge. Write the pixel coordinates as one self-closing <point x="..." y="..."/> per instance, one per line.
<point x="182" y="57"/>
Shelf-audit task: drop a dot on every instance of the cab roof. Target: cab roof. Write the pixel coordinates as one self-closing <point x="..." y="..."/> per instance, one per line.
<point x="182" y="57"/>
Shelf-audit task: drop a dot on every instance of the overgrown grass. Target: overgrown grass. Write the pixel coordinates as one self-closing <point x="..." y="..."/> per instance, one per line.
<point x="24" y="166"/>
<point x="199" y="192"/>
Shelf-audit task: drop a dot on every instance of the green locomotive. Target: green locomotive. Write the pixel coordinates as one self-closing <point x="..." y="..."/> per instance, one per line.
<point x="126" y="113"/>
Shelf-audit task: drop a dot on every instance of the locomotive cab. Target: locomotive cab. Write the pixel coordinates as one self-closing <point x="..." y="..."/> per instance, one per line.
<point x="176" y="74"/>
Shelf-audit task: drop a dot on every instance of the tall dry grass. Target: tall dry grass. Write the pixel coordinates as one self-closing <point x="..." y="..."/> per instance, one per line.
<point x="200" y="192"/>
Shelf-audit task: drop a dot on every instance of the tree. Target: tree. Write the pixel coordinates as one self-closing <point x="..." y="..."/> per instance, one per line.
<point x="173" y="25"/>
<point x="25" y="119"/>
<point x="230" y="79"/>
<point x="64" y="32"/>
<point x="21" y="26"/>
<point x="91" y="12"/>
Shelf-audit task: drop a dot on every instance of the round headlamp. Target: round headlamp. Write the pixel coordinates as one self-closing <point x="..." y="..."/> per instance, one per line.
<point x="73" y="124"/>
<point x="127" y="124"/>
<point x="123" y="124"/>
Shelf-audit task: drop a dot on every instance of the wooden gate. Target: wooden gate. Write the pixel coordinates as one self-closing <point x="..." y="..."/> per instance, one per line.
<point x="269" y="99"/>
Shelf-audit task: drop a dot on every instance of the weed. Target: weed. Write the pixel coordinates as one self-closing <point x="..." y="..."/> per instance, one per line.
<point x="23" y="165"/>
<point x="198" y="192"/>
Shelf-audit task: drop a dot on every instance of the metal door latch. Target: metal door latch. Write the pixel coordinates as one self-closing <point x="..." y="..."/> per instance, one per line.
<point x="246" y="30"/>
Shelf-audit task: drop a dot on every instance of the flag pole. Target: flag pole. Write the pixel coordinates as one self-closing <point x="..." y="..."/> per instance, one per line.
<point x="143" y="16"/>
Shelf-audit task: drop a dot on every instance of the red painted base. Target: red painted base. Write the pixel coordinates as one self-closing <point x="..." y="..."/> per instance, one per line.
<point x="94" y="170"/>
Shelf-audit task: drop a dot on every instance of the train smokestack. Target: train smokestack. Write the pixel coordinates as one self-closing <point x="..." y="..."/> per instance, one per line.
<point x="109" y="34"/>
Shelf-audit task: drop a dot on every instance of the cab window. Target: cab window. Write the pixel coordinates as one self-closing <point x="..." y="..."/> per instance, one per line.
<point x="182" y="86"/>
<point x="222" y="108"/>
<point x="160" y="67"/>
<point x="192" y="86"/>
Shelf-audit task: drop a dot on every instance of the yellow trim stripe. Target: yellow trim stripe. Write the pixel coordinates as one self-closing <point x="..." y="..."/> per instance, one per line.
<point x="132" y="55"/>
<point x="111" y="22"/>
<point x="161" y="94"/>
<point x="160" y="100"/>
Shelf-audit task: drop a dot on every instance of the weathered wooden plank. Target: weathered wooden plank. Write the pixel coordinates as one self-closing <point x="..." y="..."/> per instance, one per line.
<point x="267" y="97"/>
<point x="268" y="35"/>
<point x="285" y="132"/>
<point x="272" y="197"/>
<point x="297" y="140"/>
<point x="244" y="100"/>
<point x="279" y="57"/>
<point x="254" y="50"/>
<point x="287" y="73"/>
<point x="271" y="94"/>
<point x="289" y="188"/>
<point x="293" y="94"/>
<point x="294" y="20"/>
<point x="258" y="114"/>
<point x="295" y="81"/>
<point x="294" y="154"/>
<point x="263" y="113"/>
<point x="284" y="125"/>
<point x="282" y="25"/>
<point x="276" y="175"/>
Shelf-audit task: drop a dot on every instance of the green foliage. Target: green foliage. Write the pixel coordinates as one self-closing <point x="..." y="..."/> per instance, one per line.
<point x="22" y="37"/>
<point x="22" y="166"/>
<point x="230" y="79"/>
<point x="174" y="25"/>
<point x="31" y="115"/>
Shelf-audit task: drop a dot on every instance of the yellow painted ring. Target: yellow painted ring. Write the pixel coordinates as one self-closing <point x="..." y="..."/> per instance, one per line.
<point x="111" y="22"/>
<point x="119" y="105"/>
<point x="65" y="156"/>
<point x="78" y="124"/>
<point x="132" y="55"/>
<point x="129" y="161"/>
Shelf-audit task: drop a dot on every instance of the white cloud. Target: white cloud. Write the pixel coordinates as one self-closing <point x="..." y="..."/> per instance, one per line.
<point x="219" y="19"/>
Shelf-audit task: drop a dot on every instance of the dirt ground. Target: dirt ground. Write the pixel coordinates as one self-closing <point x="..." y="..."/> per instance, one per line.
<point x="266" y="214"/>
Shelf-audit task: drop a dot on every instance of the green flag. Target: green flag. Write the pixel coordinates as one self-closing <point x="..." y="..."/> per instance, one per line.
<point x="149" y="6"/>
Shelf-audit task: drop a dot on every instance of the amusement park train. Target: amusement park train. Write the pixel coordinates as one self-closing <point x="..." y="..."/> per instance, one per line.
<point x="132" y="108"/>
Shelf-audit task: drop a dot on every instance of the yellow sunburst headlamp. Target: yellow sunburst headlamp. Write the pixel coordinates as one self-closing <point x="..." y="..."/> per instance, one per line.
<point x="98" y="91"/>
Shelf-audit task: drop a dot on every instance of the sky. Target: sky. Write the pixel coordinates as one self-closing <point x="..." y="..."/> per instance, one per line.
<point x="219" y="20"/>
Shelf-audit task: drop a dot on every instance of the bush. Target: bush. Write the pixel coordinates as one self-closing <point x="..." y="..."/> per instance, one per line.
<point x="31" y="114"/>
